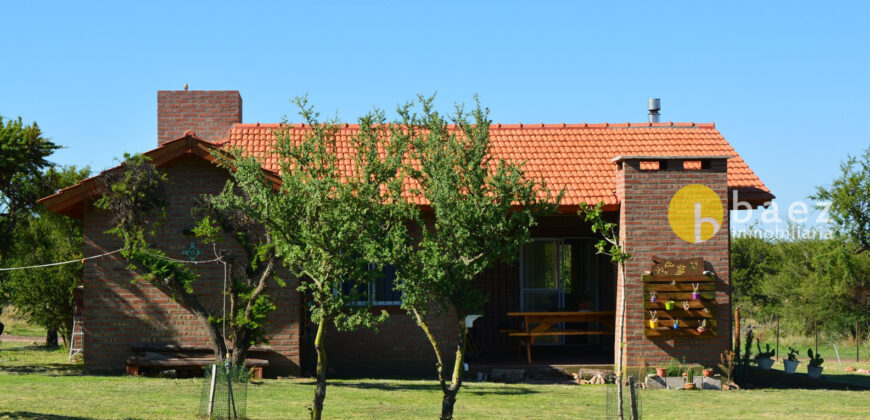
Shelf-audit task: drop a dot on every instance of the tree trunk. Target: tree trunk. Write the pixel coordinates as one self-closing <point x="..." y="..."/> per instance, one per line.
<point x="620" y="368"/>
<point x="449" y="400"/>
<point x="320" y="389"/>
<point x="240" y="346"/>
<point x="51" y="338"/>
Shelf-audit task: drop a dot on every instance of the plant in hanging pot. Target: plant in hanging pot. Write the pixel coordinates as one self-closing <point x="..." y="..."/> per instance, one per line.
<point x="814" y="368"/>
<point x="653" y="320"/>
<point x="763" y="358"/>
<point x="695" y="294"/>
<point x="792" y="362"/>
<point x="652" y="297"/>
<point x="690" y="379"/>
<point x="669" y="305"/>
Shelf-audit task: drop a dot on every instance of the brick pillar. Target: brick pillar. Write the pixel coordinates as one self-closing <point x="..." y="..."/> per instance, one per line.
<point x="646" y="187"/>
<point x="209" y="113"/>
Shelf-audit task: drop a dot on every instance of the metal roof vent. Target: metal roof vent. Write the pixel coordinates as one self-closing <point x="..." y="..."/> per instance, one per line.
<point x="654" y="105"/>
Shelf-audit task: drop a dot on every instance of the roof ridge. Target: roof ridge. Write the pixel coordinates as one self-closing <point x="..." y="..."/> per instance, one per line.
<point x="494" y="125"/>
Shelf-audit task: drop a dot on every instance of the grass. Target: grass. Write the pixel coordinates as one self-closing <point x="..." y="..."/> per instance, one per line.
<point x="36" y="382"/>
<point x="15" y="325"/>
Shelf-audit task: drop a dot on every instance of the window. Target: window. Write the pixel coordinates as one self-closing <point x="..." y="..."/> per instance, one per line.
<point x="379" y="292"/>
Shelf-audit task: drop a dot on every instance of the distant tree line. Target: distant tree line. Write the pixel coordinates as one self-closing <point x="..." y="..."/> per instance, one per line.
<point x="813" y="284"/>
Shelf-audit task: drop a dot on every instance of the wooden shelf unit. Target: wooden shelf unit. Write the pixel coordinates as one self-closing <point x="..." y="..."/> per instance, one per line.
<point x="679" y="289"/>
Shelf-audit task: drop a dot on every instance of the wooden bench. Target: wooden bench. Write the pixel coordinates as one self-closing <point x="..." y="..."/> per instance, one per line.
<point x="186" y="360"/>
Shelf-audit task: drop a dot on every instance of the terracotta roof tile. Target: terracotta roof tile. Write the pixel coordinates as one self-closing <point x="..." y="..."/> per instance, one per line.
<point x="574" y="156"/>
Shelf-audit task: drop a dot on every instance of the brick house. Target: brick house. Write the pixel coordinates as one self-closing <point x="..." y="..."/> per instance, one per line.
<point x="636" y="170"/>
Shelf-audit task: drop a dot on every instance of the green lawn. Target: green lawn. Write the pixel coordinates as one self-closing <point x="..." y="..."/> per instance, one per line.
<point x="15" y="325"/>
<point x="36" y="382"/>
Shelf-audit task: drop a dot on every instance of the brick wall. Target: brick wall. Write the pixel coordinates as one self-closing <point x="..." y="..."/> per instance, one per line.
<point x="209" y="113"/>
<point x="643" y="219"/>
<point x="121" y="311"/>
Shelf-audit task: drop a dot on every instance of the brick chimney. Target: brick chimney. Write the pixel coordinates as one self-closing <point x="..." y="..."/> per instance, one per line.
<point x="209" y="113"/>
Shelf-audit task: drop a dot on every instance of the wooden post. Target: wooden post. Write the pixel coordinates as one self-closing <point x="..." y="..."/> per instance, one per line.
<point x="777" y="338"/>
<point x="736" y="329"/>
<point x="211" y="386"/>
<point x="632" y="392"/>
<point x="857" y="343"/>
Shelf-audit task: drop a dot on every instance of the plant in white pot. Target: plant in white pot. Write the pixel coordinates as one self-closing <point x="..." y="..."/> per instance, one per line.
<point x="814" y="368"/>
<point x="764" y="358"/>
<point x="792" y="362"/>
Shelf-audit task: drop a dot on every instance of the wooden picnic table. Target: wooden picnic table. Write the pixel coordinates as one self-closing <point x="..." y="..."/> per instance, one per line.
<point x="547" y="324"/>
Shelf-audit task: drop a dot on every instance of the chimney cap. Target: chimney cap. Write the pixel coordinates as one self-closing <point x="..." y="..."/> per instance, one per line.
<point x="654" y="104"/>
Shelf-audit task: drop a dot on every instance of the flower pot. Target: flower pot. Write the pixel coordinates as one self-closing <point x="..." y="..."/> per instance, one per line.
<point x="669" y="306"/>
<point x="653" y="324"/>
<point x="676" y="325"/>
<point x="790" y="366"/>
<point x="689" y="386"/>
<point x="764" y="363"/>
<point x="701" y="330"/>
<point x="696" y="296"/>
<point x="662" y="372"/>
<point x="814" y="371"/>
<point x="652" y="299"/>
<point x="707" y="372"/>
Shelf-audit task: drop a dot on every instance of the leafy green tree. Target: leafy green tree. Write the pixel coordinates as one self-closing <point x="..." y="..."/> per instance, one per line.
<point x="752" y="259"/>
<point x="483" y="210"/>
<point x="849" y="196"/>
<point x="23" y="156"/>
<point x="135" y="197"/>
<point x="330" y="217"/>
<point x="44" y="295"/>
<point x="611" y="244"/>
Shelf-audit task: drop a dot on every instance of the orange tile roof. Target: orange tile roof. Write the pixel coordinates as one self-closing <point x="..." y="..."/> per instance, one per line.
<point x="574" y="156"/>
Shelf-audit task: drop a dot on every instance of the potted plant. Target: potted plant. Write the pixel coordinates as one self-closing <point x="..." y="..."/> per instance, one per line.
<point x="653" y="320"/>
<point x="792" y="362"/>
<point x="674" y="368"/>
<point x="708" y="372"/>
<point x="652" y="297"/>
<point x="686" y="305"/>
<point x="702" y="326"/>
<point x="695" y="288"/>
<point x="763" y="358"/>
<point x="690" y="379"/>
<point x="814" y="368"/>
<point x="676" y="324"/>
<point x="669" y="305"/>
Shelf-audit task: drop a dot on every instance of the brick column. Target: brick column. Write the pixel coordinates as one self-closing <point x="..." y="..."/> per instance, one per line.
<point x="645" y="187"/>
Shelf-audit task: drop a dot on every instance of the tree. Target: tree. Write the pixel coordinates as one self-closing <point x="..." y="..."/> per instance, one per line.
<point x="752" y="259"/>
<point x="849" y="196"/>
<point x="135" y="197"/>
<point x="611" y="244"/>
<point x="23" y="153"/>
<point x="44" y="295"/>
<point x="482" y="212"/>
<point x="330" y="217"/>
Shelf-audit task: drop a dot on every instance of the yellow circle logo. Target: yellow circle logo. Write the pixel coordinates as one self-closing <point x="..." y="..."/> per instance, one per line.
<point x="695" y="213"/>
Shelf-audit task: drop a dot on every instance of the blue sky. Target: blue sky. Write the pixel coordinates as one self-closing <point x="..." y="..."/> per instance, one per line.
<point x="786" y="83"/>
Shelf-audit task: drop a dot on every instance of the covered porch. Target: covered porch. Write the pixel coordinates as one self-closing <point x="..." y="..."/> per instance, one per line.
<point x="554" y="306"/>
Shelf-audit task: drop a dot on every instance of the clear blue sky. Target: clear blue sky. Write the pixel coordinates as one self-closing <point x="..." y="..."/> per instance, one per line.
<point x="788" y="84"/>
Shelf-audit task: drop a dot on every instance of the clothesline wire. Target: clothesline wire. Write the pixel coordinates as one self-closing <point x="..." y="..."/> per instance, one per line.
<point x="78" y="260"/>
<point x="82" y="260"/>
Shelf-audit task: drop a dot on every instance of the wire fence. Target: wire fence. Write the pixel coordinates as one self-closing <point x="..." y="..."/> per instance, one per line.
<point x="847" y="346"/>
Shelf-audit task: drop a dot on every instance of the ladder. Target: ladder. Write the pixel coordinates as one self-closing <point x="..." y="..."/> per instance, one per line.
<point x="77" y="331"/>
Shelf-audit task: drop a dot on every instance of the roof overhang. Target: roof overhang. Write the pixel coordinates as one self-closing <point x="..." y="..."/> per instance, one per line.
<point x="72" y="201"/>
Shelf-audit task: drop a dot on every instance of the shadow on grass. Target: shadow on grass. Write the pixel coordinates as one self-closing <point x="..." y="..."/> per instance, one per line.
<point x="477" y="389"/>
<point x="32" y="415"/>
